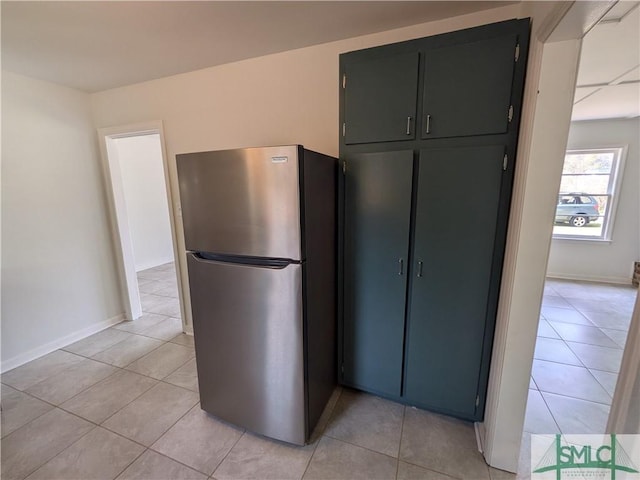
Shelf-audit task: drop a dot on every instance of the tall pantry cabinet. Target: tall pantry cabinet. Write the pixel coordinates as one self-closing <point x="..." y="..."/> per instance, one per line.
<point x="429" y="129"/>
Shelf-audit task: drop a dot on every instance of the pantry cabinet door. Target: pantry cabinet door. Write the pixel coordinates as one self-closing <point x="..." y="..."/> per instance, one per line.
<point x="455" y="234"/>
<point x="377" y="218"/>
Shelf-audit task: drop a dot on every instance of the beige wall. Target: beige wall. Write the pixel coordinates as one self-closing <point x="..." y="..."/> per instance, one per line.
<point x="289" y="97"/>
<point x="58" y="273"/>
<point x="276" y="99"/>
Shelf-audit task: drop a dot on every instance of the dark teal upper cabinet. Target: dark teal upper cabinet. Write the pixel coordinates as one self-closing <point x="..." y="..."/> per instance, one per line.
<point x="377" y="189"/>
<point x="467" y="88"/>
<point x="380" y="99"/>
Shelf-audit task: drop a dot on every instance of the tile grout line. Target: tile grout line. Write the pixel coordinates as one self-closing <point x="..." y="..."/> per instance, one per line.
<point x="359" y="446"/>
<point x="131" y="462"/>
<point x="126" y="404"/>
<point x="173" y="460"/>
<point x="321" y="434"/>
<point x="404" y="413"/>
<point x="432" y="470"/>
<point x="118" y="370"/>
<point x="600" y="383"/>
<point x="576" y="355"/>
<point x="55" y="455"/>
<point x="583" y="342"/>
<point x="244" y="431"/>
<point x="95" y="425"/>
<point x="570" y="396"/>
<point x="147" y="390"/>
<point x="561" y="363"/>
<point x="150" y="447"/>
<point x="578" y="398"/>
<point x="144" y="447"/>
<point x="551" y="413"/>
<point x="582" y="361"/>
<point x="168" y="374"/>
<point x="32" y="420"/>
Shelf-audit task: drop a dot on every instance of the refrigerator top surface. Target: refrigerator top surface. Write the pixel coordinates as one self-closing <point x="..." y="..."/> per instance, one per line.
<point x="242" y="202"/>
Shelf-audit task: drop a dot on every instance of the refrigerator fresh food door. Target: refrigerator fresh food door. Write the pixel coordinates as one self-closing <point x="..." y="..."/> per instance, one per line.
<point x="247" y="323"/>
<point x="242" y="202"/>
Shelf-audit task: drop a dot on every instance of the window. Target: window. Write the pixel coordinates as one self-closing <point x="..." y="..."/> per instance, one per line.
<point x="588" y="194"/>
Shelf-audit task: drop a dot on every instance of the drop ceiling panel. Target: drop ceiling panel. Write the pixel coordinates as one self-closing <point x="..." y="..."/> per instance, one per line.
<point x="582" y="92"/>
<point x="632" y="76"/>
<point x="609" y="50"/>
<point x="619" y="10"/>
<point x="618" y="101"/>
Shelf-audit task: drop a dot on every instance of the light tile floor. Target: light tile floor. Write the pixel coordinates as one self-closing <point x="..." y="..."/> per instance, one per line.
<point x="581" y="335"/>
<point x="123" y="404"/>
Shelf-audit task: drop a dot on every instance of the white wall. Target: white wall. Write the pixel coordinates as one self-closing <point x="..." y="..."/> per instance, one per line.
<point x="143" y="182"/>
<point x="58" y="274"/>
<point x="604" y="261"/>
<point x="541" y="147"/>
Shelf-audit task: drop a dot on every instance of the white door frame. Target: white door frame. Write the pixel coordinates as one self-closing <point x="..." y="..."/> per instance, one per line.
<point x="118" y="212"/>
<point x="529" y="236"/>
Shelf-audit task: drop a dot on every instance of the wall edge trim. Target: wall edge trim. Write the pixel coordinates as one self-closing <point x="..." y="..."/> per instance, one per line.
<point x="590" y="278"/>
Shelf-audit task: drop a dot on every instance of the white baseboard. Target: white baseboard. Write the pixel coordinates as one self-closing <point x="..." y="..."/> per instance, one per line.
<point x="477" y="426"/>
<point x="38" y="352"/>
<point x="590" y="278"/>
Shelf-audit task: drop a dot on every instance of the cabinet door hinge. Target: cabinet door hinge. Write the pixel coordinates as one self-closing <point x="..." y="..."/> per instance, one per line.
<point x="477" y="400"/>
<point x="517" y="55"/>
<point x="344" y="171"/>
<point x="510" y="114"/>
<point x="344" y="129"/>
<point x="504" y="162"/>
<point x="344" y="80"/>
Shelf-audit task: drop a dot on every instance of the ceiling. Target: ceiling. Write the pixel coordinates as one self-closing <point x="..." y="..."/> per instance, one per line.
<point x="98" y="45"/>
<point x="94" y="46"/>
<point x="609" y="74"/>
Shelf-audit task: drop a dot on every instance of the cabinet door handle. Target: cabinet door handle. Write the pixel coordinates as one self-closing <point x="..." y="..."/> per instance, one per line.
<point x="419" y="269"/>
<point x="428" y="123"/>
<point x="400" y="266"/>
<point x="408" y="126"/>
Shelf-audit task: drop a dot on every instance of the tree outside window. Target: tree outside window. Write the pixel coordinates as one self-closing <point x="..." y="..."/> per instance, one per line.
<point x="588" y="194"/>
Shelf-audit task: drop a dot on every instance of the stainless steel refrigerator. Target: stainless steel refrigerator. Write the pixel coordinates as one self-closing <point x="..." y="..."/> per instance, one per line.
<point x="260" y="234"/>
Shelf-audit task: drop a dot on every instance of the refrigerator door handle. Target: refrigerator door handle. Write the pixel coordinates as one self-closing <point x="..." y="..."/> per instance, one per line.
<point x="274" y="263"/>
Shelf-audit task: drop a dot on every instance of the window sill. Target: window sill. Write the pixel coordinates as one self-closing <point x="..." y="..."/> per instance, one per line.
<point x="582" y="239"/>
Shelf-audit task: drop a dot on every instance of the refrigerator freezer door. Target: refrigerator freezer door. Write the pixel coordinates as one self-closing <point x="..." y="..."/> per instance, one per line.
<point x="247" y="323"/>
<point x="242" y="202"/>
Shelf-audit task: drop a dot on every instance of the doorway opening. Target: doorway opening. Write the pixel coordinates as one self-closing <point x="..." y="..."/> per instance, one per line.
<point x="589" y="300"/>
<point x="143" y="233"/>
